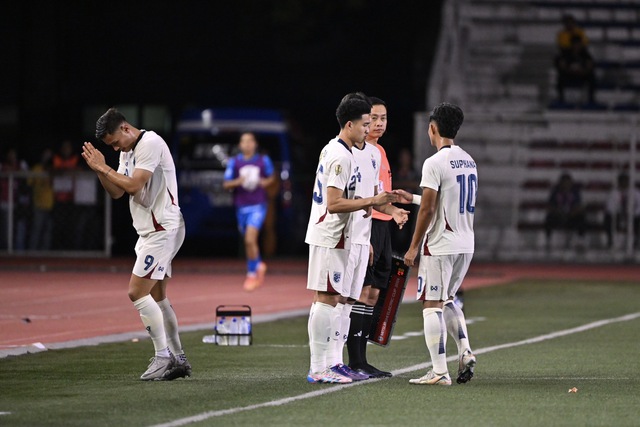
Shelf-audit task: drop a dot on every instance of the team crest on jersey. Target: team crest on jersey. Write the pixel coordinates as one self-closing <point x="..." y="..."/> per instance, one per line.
<point x="337" y="276"/>
<point x="338" y="169"/>
<point x="373" y="163"/>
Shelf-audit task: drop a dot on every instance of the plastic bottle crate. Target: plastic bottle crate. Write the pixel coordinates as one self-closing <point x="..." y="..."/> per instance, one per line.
<point x="233" y="325"/>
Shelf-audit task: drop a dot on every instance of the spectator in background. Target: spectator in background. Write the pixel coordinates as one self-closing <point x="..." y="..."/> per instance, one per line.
<point x="575" y="68"/>
<point x="19" y="200"/>
<point x="569" y="30"/>
<point x="42" y="193"/>
<point x="565" y="209"/>
<point x="617" y="209"/>
<point x="65" y="163"/>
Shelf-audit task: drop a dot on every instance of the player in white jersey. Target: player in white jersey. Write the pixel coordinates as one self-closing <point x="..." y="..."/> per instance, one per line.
<point x="328" y="231"/>
<point x="367" y="172"/>
<point x="147" y="173"/>
<point x="444" y="227"/>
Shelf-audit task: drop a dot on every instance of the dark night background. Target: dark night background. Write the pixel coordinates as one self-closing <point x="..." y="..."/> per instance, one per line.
<point x="297" y="56"/>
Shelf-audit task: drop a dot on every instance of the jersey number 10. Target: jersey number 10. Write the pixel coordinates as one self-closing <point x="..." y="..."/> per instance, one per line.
<point x="468" y="192"/>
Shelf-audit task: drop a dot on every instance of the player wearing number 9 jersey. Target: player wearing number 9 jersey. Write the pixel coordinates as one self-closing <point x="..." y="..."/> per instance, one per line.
<point x="444" y="236"/>
<point x="147" y="174"/>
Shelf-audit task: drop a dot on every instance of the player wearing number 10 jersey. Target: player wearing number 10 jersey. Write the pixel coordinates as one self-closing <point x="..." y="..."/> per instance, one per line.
<point x="444" y="226"/>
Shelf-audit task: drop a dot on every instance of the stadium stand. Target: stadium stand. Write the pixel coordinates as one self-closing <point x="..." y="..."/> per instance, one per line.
<point x="498" y="65"/>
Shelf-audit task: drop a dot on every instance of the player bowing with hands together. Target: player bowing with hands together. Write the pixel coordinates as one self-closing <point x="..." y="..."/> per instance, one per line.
<point x="146" y="172"/>
<point x="444" y="231"/>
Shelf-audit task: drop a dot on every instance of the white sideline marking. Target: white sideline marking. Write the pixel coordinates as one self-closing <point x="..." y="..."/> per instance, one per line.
<point x="210" y="414"/>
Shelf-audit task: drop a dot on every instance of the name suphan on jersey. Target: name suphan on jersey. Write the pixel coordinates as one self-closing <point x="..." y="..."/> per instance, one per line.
<point x="457" y="164"/>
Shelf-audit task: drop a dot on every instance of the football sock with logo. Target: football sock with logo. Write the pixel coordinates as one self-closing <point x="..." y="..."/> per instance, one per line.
<point x="171" y="327"/>
<point x="320" y="335"/>
<point x="435" y="336"/>
<point x="456" y="325"/>
<point x="366" y="331"/>
<point x="345" y="322"/>
<point x="333" y="358"/>
<point x="355" y="334"/>
<point x="151" y="316"/>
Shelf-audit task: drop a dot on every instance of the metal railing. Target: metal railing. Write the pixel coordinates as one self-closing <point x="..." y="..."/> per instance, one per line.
<point x="54" y="214"/>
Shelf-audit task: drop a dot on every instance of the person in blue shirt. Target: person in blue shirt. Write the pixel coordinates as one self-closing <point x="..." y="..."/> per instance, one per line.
<point x="248" y="174"/>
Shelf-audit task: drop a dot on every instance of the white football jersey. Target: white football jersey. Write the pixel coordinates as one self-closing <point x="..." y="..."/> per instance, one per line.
<point x="367" y="173"/>
<point x="452" y="172"/>
<point x="334" y="170"/>
<point x="155" y="207"/>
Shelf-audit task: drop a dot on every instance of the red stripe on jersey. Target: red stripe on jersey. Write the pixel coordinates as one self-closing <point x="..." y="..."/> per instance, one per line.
<point x="446" y="225"/>
<point x="425" y="249"/>
<point x="156" y="225"/>
<point x="322" y="217"/>
<point x="173" y="202"/>
<point x="340" y="244"/>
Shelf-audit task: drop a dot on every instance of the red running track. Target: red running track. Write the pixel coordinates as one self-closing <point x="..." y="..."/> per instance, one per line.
<point x="59" y="300"/>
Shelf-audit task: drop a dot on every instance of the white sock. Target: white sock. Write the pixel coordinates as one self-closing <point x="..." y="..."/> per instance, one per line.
<point x="152" y="320"/>
<point x="334" y="354"/>
<point x="435" y="336"/>
<point x="320" y="335"/>
<point x="171" y="327"/>
<point x="456" y="326"/>
<point x="345" y="324"/>
<point x="309" y="329"/>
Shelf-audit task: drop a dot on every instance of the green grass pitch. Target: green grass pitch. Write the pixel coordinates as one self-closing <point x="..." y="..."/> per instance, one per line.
<point x="523" y="385"/>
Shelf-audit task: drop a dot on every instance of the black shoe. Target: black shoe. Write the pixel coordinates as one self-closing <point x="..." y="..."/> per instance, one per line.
<point x="364" y="369"/>
<point x="377" y="373"/>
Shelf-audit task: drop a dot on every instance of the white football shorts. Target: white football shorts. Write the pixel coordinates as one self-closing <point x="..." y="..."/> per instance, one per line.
<point x="440" y="276"/>
<point x="155" y="252"/>
<point x="356" y="270"/>
<point x="327" y="269"/>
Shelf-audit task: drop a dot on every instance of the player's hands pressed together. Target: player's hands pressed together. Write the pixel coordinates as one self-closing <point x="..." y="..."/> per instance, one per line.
<point x="94" y="158"/>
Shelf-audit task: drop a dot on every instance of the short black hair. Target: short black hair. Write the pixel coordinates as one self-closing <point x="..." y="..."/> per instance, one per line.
<point x="377" y="101"/>
<point x="352" y="108"/>
<point x="359" y="95"/>
<point x="108" y="122"/>
<point x="448" y="118"/>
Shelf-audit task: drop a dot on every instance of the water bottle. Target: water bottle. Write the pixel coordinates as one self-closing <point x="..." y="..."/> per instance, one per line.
<point x="209" y="339"/>
<point x="221" y="332"/>
<point x="234" y="330"/>
<point x="245" y="329"/>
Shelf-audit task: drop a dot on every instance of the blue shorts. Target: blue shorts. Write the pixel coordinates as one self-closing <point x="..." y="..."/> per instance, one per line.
<point x="251" y="216"/>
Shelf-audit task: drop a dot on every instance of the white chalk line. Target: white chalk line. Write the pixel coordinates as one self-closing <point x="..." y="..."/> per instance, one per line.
<point x="211" y="414"/>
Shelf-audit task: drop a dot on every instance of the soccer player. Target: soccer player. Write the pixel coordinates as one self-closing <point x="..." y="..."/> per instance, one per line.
<point x="146" y="172"/>
<point x="328" y="233"/>
<point x="445" y="225"/>
<point x="367" y="160"/>
<point x="377" y="275"/>
<point x="248" y="174"/>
